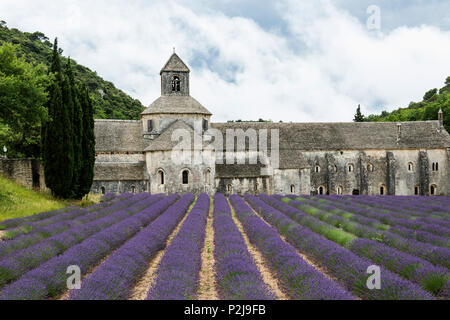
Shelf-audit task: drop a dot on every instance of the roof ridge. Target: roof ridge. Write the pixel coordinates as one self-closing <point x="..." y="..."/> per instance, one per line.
<point x="175" y="64"/>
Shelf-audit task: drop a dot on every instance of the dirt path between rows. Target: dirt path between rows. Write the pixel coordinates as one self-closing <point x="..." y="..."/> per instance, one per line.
<point x="207" y="283"/>
<point x="147" y="281"/>
<point x="305" y="257"/>
<point x="266" y="274"/>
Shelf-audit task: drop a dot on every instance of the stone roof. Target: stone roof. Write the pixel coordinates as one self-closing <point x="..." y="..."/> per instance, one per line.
<point x="175" y="64"/>
<point x="118" y="136"/>
<point x="348" y="136"/>
<point x="113" y="171"/>
<point x="164" y="141"/>
<point x="176" y="105"/>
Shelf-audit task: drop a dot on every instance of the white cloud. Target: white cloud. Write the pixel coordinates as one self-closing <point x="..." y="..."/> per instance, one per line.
<point x="239" y="70"/>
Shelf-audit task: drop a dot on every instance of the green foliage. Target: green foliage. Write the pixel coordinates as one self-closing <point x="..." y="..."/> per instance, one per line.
<point x="22" y="100"/>
<point x="109" y="102"/>
<point x="358" y="116"/>
<point x="57" y="143"/>
<point x="427" y="109"/>
<point x="87" y="144"/>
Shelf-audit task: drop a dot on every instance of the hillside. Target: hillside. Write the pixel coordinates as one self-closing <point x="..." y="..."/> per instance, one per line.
<point x="17" y="201"/>
<point x="427" y="109"/>
<point x="109" y="102"/>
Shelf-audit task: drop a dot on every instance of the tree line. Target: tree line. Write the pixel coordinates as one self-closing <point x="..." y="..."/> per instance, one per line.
<point x="427" y="109"/>
<point x="45" y="111"/>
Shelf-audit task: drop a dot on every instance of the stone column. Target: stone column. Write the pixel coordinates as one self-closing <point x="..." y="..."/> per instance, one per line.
<point x="390" y="176"/>
<point x="424" y="173"/>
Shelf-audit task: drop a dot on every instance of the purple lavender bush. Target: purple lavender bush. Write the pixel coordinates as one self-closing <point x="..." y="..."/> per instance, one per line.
<point x="237" y="277"/>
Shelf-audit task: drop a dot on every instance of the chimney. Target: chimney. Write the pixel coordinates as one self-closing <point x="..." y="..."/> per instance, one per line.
<point x="399" y="131"/>
<point x="441" y="119"/>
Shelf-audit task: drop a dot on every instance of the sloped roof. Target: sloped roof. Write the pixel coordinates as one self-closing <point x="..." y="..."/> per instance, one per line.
<point x="164" y="141"/>
<point x="177" y="105"/>
<point x="118" y="136"/>
<point x="175" y="64"/>
<point x="349" y="136"/>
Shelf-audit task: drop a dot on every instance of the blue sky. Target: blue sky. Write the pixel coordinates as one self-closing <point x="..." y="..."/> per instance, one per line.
<point x="302" y="61"/>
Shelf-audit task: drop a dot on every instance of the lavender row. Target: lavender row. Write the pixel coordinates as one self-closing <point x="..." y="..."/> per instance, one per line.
<point x="178" y="272"/>
<point x="49" y="280"/>
<point x="434" y="254"/>
<point x="115" y="278"/>
<point x="16" y="264"/>
<point x="237" y="277"/>
<point x="344" y="265"/>
<point x="299" y="279"/>
<point x="24" y="241"/>
<point x="431" y="278"/>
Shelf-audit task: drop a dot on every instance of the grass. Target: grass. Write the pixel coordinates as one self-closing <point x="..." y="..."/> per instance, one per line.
<point x="17" y="201"/>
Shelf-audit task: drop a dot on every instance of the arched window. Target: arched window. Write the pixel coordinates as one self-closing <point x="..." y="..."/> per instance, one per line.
<point x="433" y="190"/>
<point x="256" y="186"/>
<point x="133" y="189"/>
<point x="351" y="167"/>
<point x="370" y="167"/>
<point x="417" y="190"/>
<point x="185" y="177"/>
<point x="382" y="190"/>
<point x="292" y="189"/>
<point x="207" y="176"/>
<point x="229" y="188"/>
<point x="437" y="166"/>
<point x="335" y="168"/>
<point x="102" y="190"/>
<point x="410" y="167"/>
<point x="176" y="84"/>
<point x="321" y="190"/>
<point x="161" y="177"/>
<point x="339" y="190"/>
<point x="317" y="169"/>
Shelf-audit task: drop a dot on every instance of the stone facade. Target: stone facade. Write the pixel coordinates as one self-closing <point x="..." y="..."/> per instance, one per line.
<point x="329" y="158"/>
<point x="27" y="172"/>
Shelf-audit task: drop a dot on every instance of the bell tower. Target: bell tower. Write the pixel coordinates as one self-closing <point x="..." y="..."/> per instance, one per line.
<point x="175" y="77"/>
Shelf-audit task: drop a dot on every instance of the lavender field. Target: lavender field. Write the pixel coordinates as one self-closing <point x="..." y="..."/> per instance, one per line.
<point x="186" y="247"/>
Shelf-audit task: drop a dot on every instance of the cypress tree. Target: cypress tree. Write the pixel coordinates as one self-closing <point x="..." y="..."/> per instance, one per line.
<point x="77" y="131"/>
<point x="58" y="140"/>
<point x="87" y="144"/>
<point x="358" y="116"/>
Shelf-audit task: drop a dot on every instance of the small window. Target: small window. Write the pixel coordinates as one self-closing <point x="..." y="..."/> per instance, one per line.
<point x="207" y="176"/>
<point x="317" y="169"/>
<point x="351" y="167"/>
<point x="435" y="166"/>
<point x="229" y="188"/>
<point x="149" y="125"/>
<point x="410" y="167"/>
<point x="161" y="177"/>
<point x="256" y="186"/>
<point x="339" y="190"/>
<point x="176" y="84"/>
<point x="103" y="190"/>
<point x="205" y="125"/>
<point x="370" y="167"/>
<point x="335" y="168"/>
<point x="133" y="189"/>
<point x="185" y="177"/>
<point x="433" y="190"/>
<point x="382" y="190"/>
<point x="292" y="189"/>
<point x="417" y="190"/>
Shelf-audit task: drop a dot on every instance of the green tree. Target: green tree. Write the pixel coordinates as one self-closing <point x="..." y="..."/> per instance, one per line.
<point x="77" y="130"/>
<point x="57" y="145"/>
<point x="358" y="116"/>
<point x="22" y="100"/>
<point x="430" y="94"/>
<point x="87" y="144"/>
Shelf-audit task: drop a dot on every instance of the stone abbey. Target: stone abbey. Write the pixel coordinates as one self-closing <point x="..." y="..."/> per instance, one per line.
<point x="407" y="158"/>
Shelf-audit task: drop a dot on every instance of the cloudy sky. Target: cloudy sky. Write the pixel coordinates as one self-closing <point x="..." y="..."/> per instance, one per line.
<point x="300" y="61"/>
